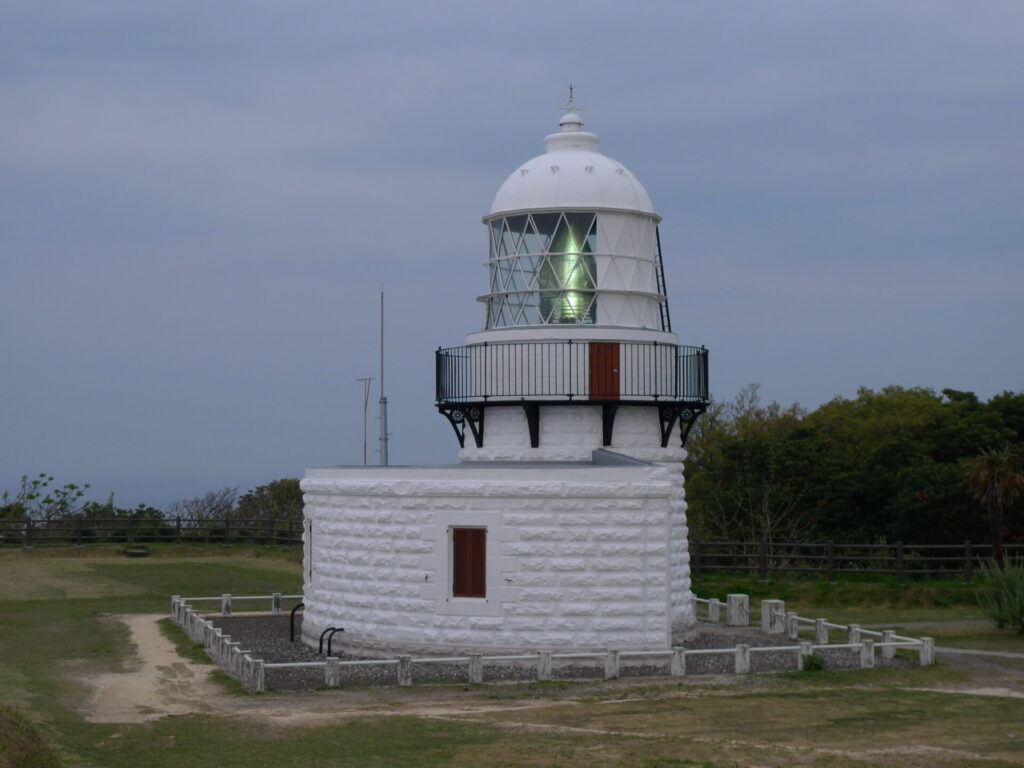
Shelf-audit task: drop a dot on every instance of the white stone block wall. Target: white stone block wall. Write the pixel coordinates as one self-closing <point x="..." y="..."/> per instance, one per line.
<point x="589" y="556"/>
<point x="572" y="433"/>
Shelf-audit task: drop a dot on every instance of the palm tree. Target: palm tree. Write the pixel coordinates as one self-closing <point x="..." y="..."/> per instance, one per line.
<point x="995" y="477"/>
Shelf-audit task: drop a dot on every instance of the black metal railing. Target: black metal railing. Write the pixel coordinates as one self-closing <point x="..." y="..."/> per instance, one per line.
<point x="569" y="371"/>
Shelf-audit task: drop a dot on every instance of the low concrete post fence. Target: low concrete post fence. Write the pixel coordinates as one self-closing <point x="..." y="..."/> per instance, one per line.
<point x="251" y="672"/>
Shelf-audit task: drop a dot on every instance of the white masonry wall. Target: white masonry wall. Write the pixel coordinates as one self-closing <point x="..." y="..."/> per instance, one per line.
<point x="578" y="557"/>
<point x="572" y="433"/>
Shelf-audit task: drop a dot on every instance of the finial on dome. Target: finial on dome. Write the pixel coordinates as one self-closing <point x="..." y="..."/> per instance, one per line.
<point x="571" y="121"/>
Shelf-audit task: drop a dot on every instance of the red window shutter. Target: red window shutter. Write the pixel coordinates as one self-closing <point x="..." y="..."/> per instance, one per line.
<point x="469" y="562"/>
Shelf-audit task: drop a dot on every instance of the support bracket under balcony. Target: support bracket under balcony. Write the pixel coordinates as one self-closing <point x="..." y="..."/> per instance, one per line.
<point x="460" y="417"/>
<point x="608" y="411"/>
<point x="686" y="414"/>
<point x="532" y="411"/>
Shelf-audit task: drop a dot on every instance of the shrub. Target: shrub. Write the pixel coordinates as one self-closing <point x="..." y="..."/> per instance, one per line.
<point x="1001" y="593"/>
<point x="814" y="662"/>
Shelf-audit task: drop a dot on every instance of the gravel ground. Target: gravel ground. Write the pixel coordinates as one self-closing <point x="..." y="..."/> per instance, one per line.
<point x="266" y="637"/>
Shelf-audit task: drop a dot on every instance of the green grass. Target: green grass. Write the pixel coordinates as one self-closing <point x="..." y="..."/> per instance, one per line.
<point x="55" y="626"/>
<point x="183" y="644"/>
<point x="21" y="744"/>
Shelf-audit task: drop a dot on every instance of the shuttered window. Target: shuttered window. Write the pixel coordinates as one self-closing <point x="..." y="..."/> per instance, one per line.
<point x="469" y="562"/>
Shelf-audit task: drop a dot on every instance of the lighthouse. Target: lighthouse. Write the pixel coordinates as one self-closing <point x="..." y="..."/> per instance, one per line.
<point x="563" y="526"/>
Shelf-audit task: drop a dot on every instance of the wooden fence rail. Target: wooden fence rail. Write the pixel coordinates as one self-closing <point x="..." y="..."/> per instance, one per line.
<point x="832" y="559"/>
<point x="829" y="559"/>
<point x="149" y="530"/>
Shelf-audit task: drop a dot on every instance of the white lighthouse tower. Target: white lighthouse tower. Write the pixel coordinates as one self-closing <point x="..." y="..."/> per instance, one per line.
<point x="564" y="524"/>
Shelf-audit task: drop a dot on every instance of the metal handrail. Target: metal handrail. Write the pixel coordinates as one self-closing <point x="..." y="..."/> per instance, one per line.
<point x="560" y="370"/>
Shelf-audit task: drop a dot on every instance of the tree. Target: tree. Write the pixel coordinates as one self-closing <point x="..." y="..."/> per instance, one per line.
<point x="995" y="477"/>
<point x="213" y="505"/>
<point x="38" y="499"/>
<point x="278" y="500"/>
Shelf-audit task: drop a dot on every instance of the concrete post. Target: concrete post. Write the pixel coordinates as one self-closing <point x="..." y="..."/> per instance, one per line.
<point x="611" y="665"/>
<point x="742" y="659"/>
<point x="259" y="681"/>
<point x="927" y="653"/>
<point x="678" y="662"/>
<point x="332" y="672"/>
<point x="806" y="649"/>
<point x="175" y="613"/>
<point x="888" y="651"/>
<point x="476" y="668"/>
<point x="275" y="603"/>
<point x="405" y="670"/>
<point x="544" y="665"/>
<point x="225" y="605"/>
<point x="821" y="631"/>
<point x="773" y="616"/>
<point x="737" y="611"/>
<point x="867" y="654"/>
<point x="853" y="633"/>
<point x="714" y="609"/>
<point x="792" y="625"/>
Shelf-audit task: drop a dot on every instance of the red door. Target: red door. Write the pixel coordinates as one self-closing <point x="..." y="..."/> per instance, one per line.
<point x="604" y="371"/>
<point x="469" y="562"/>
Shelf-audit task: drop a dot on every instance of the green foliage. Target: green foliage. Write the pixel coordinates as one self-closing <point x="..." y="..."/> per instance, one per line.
<point x="813" y="662"/>
<point x="278" y="500"/>
<point x="39" y="499"/>
<point x="1001" y="593"/>
<point x="21" y="745"/>
<point x="995" y="478"/>
<point x="888" y="465"/>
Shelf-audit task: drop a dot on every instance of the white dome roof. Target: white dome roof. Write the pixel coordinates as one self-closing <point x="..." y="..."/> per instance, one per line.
<point x="571" y="174"/>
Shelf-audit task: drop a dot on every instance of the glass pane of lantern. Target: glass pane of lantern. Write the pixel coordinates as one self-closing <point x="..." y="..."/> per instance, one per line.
<point x="545" y="223"/>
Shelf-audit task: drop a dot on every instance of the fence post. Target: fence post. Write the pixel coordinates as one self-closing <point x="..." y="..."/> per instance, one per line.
<point x="714" y="609"/>
<point x="830" y="556"/>
<point x="737" y="610"/>
<point x="332" y="672"/>
<point x="177" y="529"/>
<point x="476" y="668"/>
<point x="806" y="649"/>
<point x="821" y="631"/>
<point x="764" y="561"/>
<point x="888" y="651"/>
<point x="967" y="561"/>
<point x="259" y="676"/>
<point x="611" y="665"/>
<point x="927" y="653"/>
<point x="227" y="531"/>
<point x="405" y="670"/>
<point x="867" y="654"/>
<point x="900" y="575"/>
<point x="678" y="661"/>
<point x="853" y="633"/>
<point x="792" y="625"/>
<point x="544" y="665"/>
<point x="275" y="603"/>
<point x="225" y="604"/>
<point x="27" y="543"/>
<point x="742" y="659"/>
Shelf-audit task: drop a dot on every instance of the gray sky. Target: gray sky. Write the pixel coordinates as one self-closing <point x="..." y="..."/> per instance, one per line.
<point x="199" y="202"/>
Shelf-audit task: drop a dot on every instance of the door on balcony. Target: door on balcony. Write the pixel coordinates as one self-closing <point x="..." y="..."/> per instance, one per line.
<point x="604" y="371"/>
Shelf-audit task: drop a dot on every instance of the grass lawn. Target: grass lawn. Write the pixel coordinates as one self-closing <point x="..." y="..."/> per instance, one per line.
<point x="57" y="624"/>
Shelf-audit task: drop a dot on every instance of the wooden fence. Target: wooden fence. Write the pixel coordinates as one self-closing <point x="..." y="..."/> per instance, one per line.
<point x="833" y="559"/>
<point x="149" y="530"/>
<point x="829" y="559"/>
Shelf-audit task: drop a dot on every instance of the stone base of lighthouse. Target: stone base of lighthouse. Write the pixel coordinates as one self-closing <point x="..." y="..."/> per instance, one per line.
<point x="585" y="548"/>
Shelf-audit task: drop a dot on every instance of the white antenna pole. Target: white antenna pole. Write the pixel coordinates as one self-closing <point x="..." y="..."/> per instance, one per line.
<point x="366" y="401"/>
<point x="383" y="399"/>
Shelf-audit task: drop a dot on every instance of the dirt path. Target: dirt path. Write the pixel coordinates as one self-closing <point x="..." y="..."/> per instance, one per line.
<point x="162" y="683"/>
